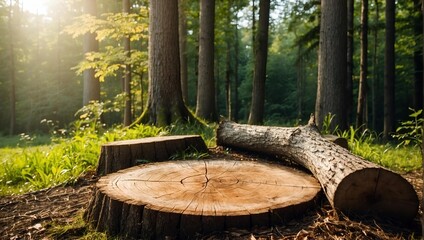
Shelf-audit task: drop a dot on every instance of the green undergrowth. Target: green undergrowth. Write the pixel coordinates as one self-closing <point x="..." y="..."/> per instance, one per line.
<point x="24" y="140"/>
<point x="68" y="154"/>
<point x="71" y="153"/>
<point x="397" y="157"/>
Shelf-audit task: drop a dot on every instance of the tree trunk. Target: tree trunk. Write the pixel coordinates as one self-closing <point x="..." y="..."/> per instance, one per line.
<point x="206" y="84"/>
<point x="422" y="142"/>
<point x="182" y="30"/>
<point x="418" y="60"/>
<point x="351" y="184"/>
<point x="256" y="115"/>
<point x="126" y="7"/>
<point x="180" y="199"/>
<point x="331" y="91"/>
<point x="165" y="104"/>
<point x="12" y="125"/>
<point x="375" y="80"/>
<point x="363" y="86"/>
<point x="389" y="70"/>
<point x="228" y="70"/>
<point x="350" y="52"/>
<point x="253" y="25"/>
<point x="119" y="155"/>
<point x="90" y="44"/>
<point x="236" y="73"/>
<point x="300" y="82"/>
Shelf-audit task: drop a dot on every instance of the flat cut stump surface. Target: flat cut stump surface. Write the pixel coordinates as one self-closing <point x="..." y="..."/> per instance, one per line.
<point x="182" y="198"/>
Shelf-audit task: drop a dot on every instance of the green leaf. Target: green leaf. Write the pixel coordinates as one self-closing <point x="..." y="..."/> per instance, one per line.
<point x="416" y="114"/>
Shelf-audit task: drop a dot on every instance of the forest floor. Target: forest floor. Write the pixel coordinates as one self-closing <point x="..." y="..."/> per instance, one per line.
<point x="35" y="215"/>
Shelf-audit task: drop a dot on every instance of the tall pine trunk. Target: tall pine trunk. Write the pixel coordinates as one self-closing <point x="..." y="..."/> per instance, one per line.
<point x="300" y="68"/>
<point x="228" y="70"/>
<point x="12" y="126"/>
<point x="350" y="51"/>
<point x="182" y="30"/>
<point x="256" y="115"/>
<point x="228" y="81"/>
<point x="418" y="60"/>
<point x="375" y="62"/>
<point x="422" y="140"/>
<point x="331" y="96"/>
<point x="165" y="104"/>
<point x="206" y="85"/>
<point x="236" y="74"/>
<point x="363" y="85"/>
<point x="126" y="6"/>
<point x="90" y="44"/>
<point x="389" y="70"/>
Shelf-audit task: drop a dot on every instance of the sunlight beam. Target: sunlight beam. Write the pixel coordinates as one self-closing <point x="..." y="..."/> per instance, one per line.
<point x="35" y="6"/>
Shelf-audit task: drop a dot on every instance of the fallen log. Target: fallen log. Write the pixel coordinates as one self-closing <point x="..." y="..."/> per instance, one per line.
<point x="179" y="199"/>
<point x="351" y="184"/>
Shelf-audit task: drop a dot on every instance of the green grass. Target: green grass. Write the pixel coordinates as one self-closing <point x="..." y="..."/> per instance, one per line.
<point x="27" y="166"/>
<point x="24" y="140"/>
<point x="206" y="131"/>
<point x="33" y="168"/>
<point x="397" y="158"/>
<point x="402" y="159"/>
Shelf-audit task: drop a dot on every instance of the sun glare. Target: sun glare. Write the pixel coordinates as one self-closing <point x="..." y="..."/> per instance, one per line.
<point x="35" y="6"/>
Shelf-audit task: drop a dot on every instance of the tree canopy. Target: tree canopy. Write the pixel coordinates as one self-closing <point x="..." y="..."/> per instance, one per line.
<point x="41" y="48"/>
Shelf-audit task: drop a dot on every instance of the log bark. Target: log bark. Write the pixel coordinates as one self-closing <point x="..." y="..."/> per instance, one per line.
<point x="179" y="199"/>
<point x="119" y="155"/>
<point x="351" y="184"/>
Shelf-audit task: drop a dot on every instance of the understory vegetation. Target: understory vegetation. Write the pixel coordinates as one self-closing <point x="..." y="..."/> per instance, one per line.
<point x="29" y="163"/>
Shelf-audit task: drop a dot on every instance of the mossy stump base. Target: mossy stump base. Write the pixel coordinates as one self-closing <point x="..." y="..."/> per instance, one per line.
<point x="180" y="199"/>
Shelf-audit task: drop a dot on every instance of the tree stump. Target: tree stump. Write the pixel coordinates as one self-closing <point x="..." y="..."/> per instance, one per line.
<point x="180" y="199"/>
<point x="119" y="155"/>
<point x="351" y="184"/>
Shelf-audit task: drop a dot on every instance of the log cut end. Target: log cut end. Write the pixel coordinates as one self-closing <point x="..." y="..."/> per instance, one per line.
<point x="183" y="198"/>
<point x="377" y="192"/>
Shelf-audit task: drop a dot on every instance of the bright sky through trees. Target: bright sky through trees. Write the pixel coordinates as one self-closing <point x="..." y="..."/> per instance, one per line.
<point x="35" y="6"/>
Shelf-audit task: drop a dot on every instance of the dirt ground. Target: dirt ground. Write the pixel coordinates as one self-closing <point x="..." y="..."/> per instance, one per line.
<point x="34" y="215"/>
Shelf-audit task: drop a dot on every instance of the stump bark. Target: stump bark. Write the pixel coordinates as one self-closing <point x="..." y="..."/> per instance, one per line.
<point x="351" y="184"/>
<point x="119" y="155"/>
<point x="180" y="199"/>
